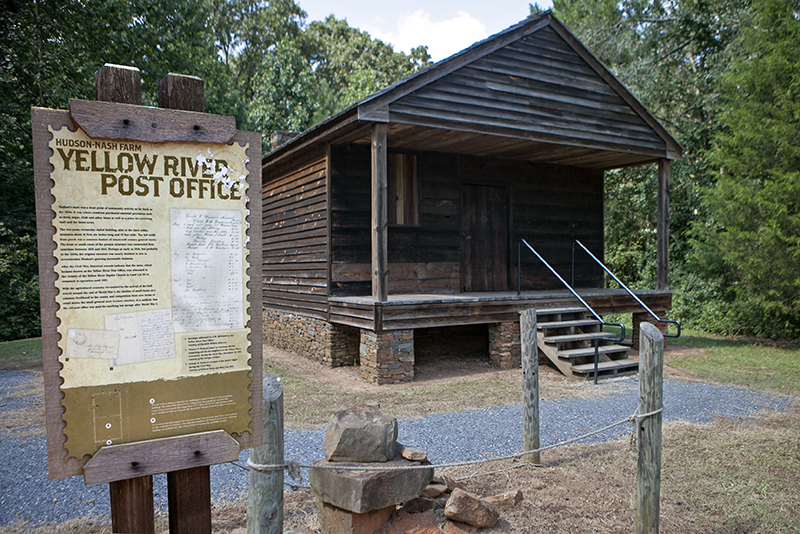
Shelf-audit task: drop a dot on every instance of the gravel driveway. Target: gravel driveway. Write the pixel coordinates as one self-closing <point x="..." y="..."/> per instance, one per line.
<point x="27" y="494"/>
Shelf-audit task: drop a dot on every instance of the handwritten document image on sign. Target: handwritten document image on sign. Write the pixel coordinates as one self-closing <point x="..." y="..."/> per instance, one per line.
<point x="207" y="287"/>
<point x="144" y="336"/>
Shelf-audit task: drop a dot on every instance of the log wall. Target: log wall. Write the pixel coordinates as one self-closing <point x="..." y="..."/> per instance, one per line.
<point x="295" y="237"/>
<point x="550" y="206"/>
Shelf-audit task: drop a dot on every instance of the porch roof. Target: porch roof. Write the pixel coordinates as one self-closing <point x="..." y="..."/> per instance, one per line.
<point x="532" y="92"/>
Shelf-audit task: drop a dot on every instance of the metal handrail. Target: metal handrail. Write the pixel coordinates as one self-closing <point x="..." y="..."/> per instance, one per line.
<point x="623" y="286"/>
<point x="575" y="294"/>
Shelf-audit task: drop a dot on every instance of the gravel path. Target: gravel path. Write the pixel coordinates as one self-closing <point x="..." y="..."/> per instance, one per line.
<point x="27" y="494"/>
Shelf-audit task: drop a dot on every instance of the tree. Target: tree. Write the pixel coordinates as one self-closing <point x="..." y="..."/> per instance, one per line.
<point x="49" y="51"/>
<point x="670" y="56"/>
<point x="284" y="90"/>
<point x="246" y="31"/>
<point x="753" y="236"/>
<point x="349" y="64"/>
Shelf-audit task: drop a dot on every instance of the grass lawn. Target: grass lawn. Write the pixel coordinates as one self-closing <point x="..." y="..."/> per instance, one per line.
<point x="25" y="354"/>
<point x="758" y="365"/>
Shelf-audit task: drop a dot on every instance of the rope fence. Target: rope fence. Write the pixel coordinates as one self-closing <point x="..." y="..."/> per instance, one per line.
<point x="293" y="468"/>
<point x="266" y="464"/>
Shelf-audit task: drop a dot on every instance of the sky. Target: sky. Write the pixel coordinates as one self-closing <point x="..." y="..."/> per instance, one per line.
<point x="445" y="26"/>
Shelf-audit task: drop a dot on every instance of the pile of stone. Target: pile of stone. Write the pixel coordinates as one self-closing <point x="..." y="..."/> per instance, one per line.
<point x="389" y="500"/>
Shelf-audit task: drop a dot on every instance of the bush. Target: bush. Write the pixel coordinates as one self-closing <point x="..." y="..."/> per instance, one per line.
<point x="19" y="286"/>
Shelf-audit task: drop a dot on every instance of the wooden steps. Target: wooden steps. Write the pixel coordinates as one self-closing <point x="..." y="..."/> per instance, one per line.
<point x="566" y="336"/>
<point x="588" y="352"/>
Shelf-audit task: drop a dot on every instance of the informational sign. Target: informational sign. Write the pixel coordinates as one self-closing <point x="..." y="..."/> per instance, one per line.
<point x="151" y="280"/>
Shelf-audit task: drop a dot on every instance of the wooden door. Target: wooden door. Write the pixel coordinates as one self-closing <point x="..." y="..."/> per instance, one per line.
<point x="484" y="238"/>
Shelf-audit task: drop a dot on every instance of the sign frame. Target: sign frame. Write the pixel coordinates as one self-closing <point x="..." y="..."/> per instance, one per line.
<point x="114" y="121"/>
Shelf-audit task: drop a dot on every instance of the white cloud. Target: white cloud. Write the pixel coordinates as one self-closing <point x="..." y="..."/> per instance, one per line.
<point x="443" y="38"/>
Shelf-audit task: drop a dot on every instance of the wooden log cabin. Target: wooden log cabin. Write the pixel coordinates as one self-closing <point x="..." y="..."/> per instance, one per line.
<point x="396" y="222"/>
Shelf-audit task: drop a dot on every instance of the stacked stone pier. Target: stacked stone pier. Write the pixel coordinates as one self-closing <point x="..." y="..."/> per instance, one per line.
<point x="356" y="501"/>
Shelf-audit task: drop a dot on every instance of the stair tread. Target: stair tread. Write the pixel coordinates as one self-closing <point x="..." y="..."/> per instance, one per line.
<point x="565" y="338"/>
<point x="553" y="311"/>
<point x="566" y="324"/>
<point x="589" y="351"/>
<point x="605" y="366"/>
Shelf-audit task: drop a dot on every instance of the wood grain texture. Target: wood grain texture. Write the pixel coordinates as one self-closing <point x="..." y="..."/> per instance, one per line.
<point x="189" y="501"/>
<point x="40" y="119"/>
<point x="265" y="490"/>
<point x="132" y="509"/>
<point x="530" y="385"/>
<point x="254" y="298"/>
<point x="107" y="120"/>
<point x="648" y="469"/>
<point x="411" y="311"/>
<point x="294" y="253"/>
<point x="379" y="219"/>
<point x="179" y="91"/>
<point x="118" y="83"/>
<point x="132" y="460"/>
<point x="533" y="84"/>
<point x="548" y="205"/>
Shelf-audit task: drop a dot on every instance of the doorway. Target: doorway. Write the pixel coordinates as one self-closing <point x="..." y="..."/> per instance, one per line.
<point x="484" y="238"/>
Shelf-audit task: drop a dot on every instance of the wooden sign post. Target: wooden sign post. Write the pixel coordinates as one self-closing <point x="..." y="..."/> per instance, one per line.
<point x="151" y="326"/>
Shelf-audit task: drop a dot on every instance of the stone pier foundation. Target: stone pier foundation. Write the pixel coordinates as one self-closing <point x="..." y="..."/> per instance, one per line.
<point x="387" y="357"/>
<point x="328" y="343"/>
<point x="505" y="349"/>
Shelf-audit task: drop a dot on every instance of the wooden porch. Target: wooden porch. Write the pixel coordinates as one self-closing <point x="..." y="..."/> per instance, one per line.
<point x="430" y="310"/>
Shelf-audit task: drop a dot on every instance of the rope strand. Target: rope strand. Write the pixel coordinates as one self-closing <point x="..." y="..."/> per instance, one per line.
<point x="294" y="467"/>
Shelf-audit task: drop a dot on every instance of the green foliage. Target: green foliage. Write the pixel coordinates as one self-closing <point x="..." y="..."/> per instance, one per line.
<point x="669" y="55"/>
<point x="257" y="62"/>
<point x="724" y="77"/>
<point x="753" y="236"/>
<point x="19" y="286"/>
<point x="284" y="90"/>
<point x="247" y="31"/>
<point x="350" y="65"/>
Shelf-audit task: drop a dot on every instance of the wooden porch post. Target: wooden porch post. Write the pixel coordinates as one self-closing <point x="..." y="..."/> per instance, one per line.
<point x="379" y="213"/>
<point x="662" y="226"/>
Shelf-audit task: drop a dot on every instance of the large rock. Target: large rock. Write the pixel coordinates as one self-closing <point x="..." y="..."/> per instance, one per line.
<point x="364" y="491"/>
<point x="361" y="434"/>
<point x="461" y="506"/>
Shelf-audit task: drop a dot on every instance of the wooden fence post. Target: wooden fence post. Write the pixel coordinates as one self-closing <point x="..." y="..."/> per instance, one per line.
<point x="530" y="385"/>
<point x="265" y="494"/>
<point x="648" y="472"/>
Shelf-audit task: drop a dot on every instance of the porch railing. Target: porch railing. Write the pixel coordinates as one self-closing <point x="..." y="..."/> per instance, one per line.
<point x="623" y="286"/>
<point x="575" y="294"/>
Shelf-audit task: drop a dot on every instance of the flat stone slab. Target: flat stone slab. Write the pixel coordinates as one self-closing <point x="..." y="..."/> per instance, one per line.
<point x="363" y="491"/>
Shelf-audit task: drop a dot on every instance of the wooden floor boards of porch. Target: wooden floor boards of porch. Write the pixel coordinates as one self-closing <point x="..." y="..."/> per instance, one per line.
<point x="410" y="311"/>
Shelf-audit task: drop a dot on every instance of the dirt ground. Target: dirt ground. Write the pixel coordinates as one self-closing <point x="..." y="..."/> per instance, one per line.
<point x="723" y="477"/>
<point x="706" y="487"/>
